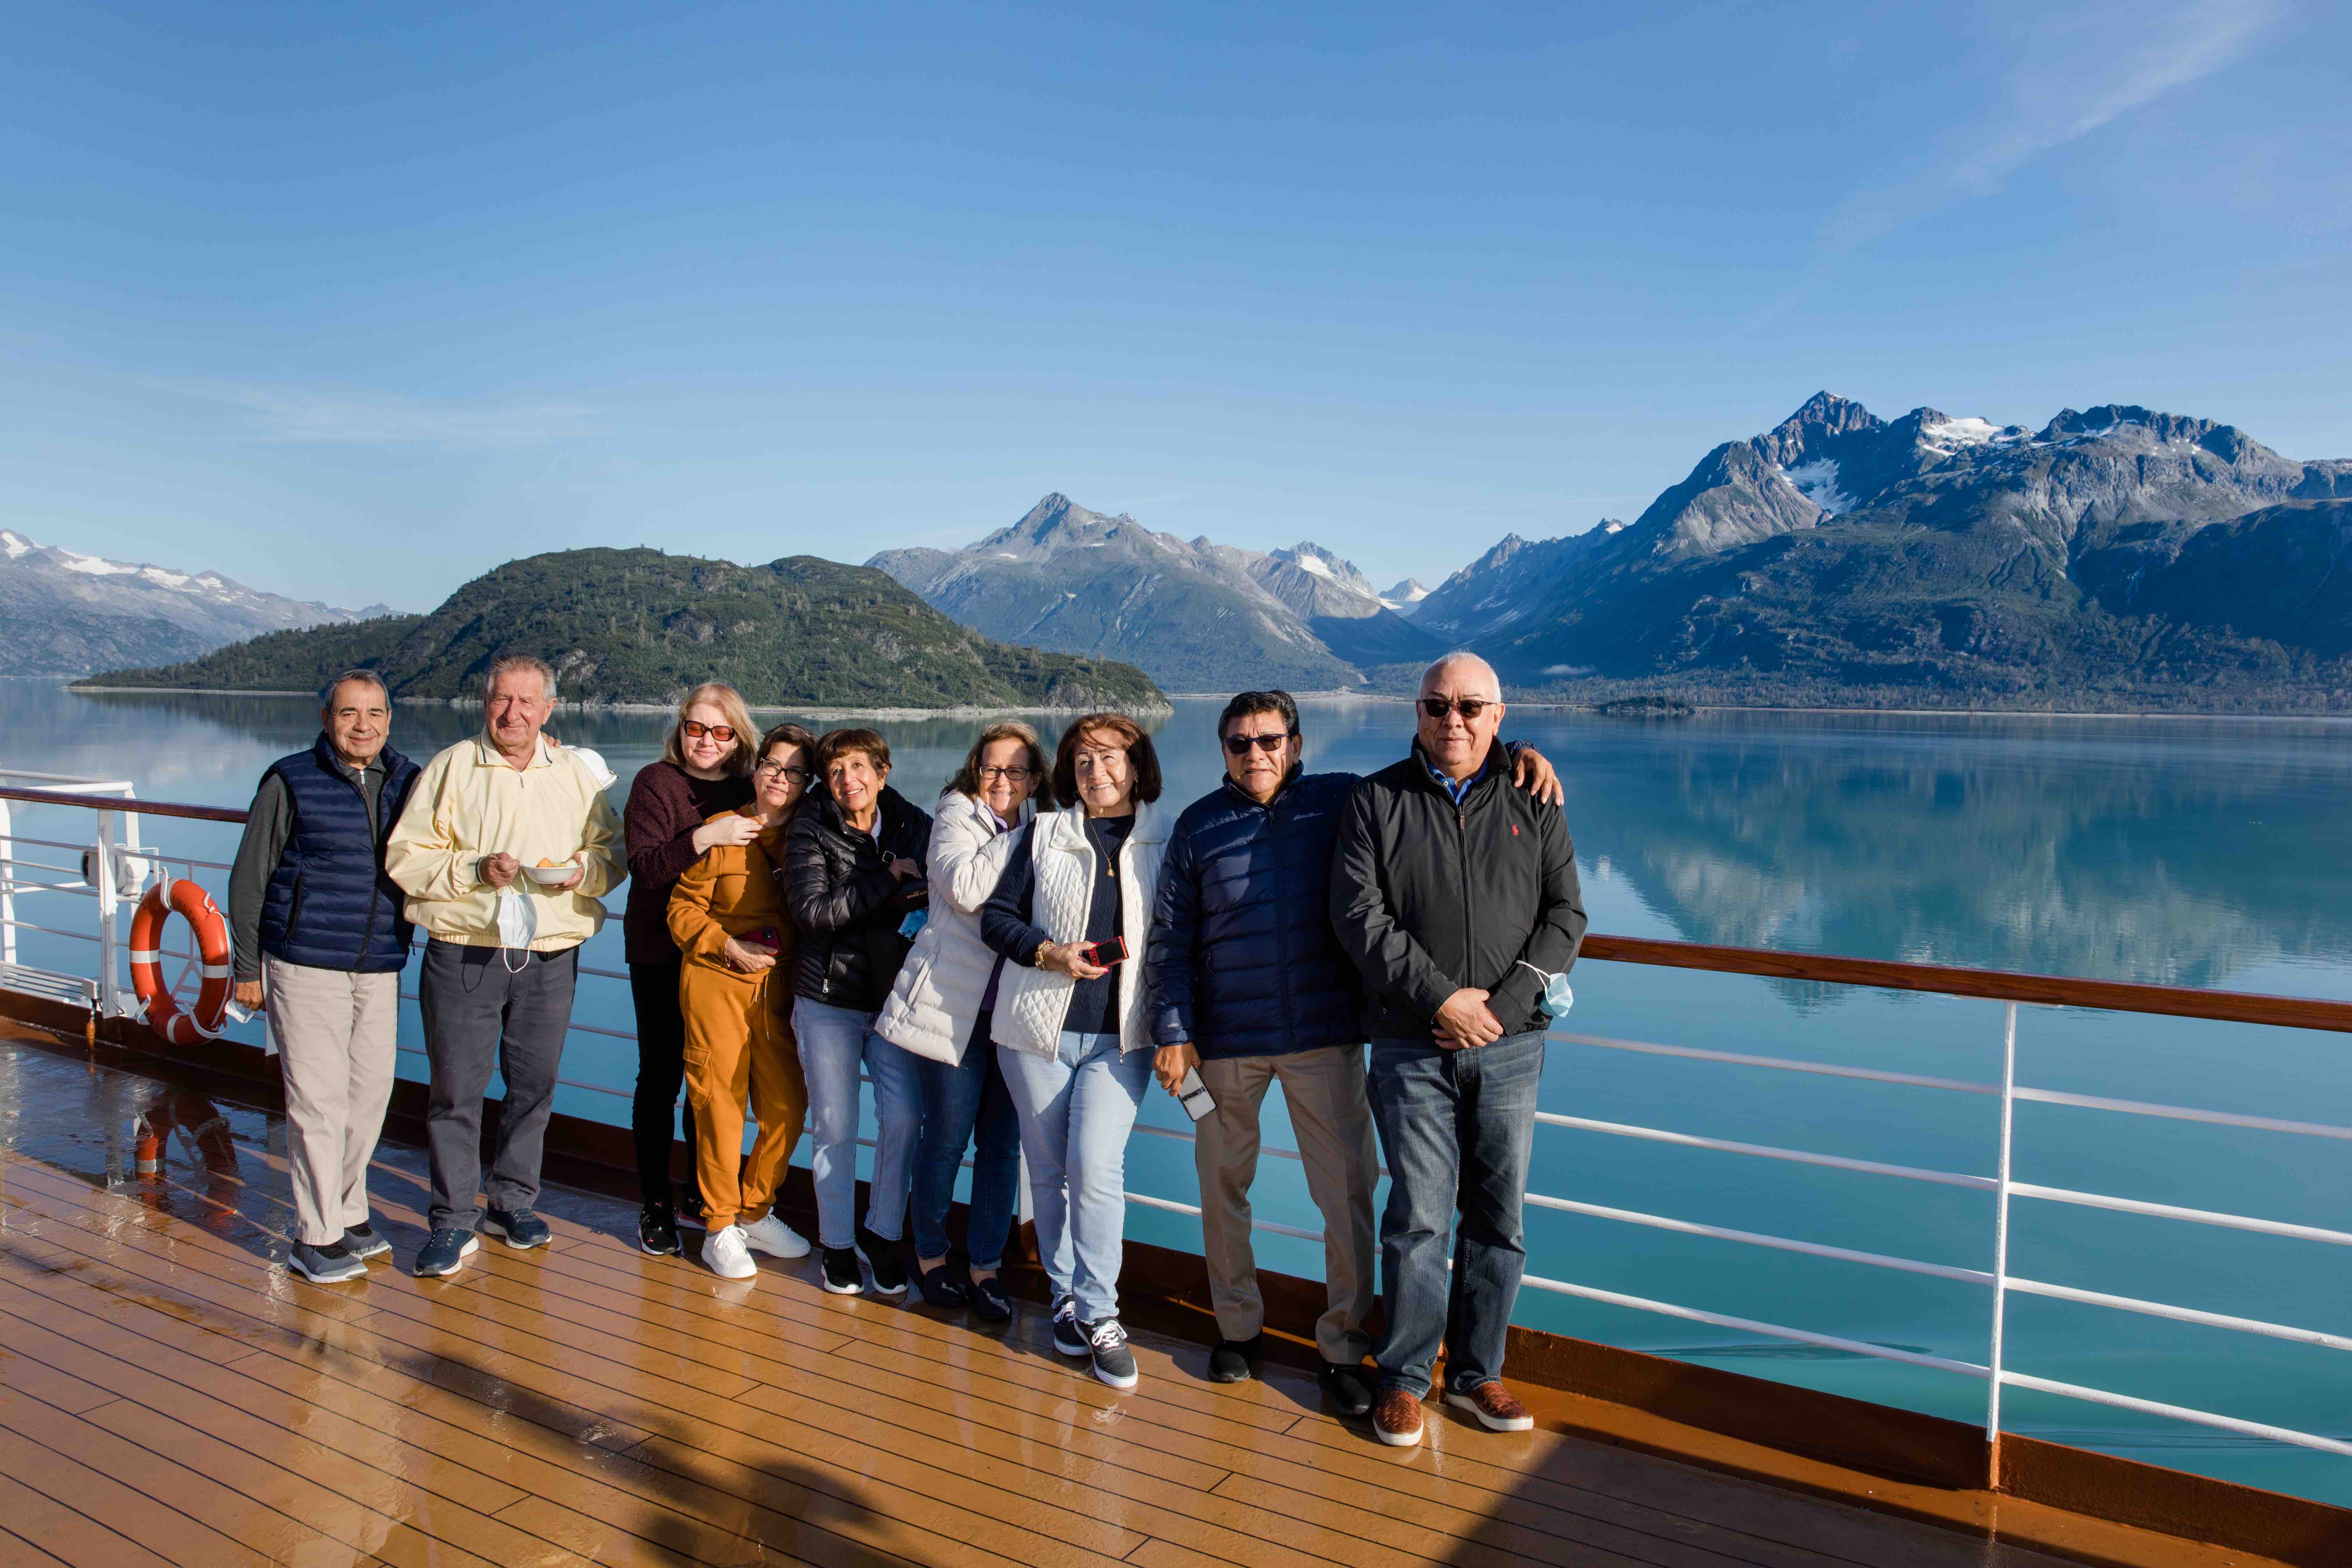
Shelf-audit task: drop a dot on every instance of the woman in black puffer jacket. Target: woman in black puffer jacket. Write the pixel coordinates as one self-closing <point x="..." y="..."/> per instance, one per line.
<point x="855" y="882"/>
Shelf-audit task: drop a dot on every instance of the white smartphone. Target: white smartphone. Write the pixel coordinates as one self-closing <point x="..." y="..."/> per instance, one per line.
<point x="1193" y="1095"/>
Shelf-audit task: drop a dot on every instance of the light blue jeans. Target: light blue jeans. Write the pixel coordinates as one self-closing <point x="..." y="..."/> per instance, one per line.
<point x="834" y="1042"/>
<point x="1076" y="1109"/>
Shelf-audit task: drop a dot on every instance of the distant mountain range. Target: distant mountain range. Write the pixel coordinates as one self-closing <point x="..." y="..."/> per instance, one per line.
<point x="67" y="613"/>
<point x="1199" y="616"/>
<point x="2118" y="557"/>
<point x="640" y="626"/>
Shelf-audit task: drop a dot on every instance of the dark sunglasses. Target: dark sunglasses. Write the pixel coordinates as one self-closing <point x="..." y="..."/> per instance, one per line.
<point x="695" y="728"/>
<point x="1239" y="745"/>
<point x="1468" y="707"/>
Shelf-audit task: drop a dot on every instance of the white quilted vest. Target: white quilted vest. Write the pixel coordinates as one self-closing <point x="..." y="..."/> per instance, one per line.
<point x="1031" y="1004"/>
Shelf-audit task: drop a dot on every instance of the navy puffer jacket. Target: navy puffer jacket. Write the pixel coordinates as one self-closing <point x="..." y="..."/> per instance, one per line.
<point x="1240" y="959"/>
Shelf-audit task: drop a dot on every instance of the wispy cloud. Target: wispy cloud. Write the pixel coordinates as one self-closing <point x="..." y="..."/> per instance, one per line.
<point x="2068" y="77"/>
<point x="296" y="413"/>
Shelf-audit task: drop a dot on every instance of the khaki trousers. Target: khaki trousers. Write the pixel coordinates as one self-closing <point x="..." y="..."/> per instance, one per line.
<point x="336" y="1034"/>
<point x="1333" y="1120"/>
<point x="739" y="1053"/>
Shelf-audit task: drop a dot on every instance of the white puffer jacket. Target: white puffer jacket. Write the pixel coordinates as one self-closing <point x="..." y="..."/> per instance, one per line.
<point x="936" y="999"/>
<point x="1031" y="1004"/>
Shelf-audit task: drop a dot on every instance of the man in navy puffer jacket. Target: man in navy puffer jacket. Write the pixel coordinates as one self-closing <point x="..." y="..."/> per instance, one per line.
<point x="1245" y="981"/>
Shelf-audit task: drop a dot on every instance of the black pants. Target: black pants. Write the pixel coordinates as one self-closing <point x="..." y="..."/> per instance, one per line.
<point x="661" y="1073"/>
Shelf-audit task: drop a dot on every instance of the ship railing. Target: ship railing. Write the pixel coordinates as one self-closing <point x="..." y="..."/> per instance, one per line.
<point x="133" y="865"/>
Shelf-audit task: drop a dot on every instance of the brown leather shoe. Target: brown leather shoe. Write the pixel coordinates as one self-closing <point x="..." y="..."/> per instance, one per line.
<point x="1492" y="1404"/>
<point x="1396" y="1417"/>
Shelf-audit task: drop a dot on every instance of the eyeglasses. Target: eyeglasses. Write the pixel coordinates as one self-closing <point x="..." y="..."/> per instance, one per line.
<point x="695" y="728"/>
<point x="1010" y="775"/>
<point x="785" y="770"/>
<point x="1239" y="745"/>
<point x="1468" y="707"/>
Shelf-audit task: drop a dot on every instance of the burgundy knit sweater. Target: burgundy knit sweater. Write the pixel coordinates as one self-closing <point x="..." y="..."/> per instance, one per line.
<point x="666" y="804"/>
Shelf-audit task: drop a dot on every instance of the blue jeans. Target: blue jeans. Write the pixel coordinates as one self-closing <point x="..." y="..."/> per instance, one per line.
<point x="834" y="1041"/>
<point x="963" y="1104"/>
<point x="1076" y="1109"/>
<point x="1457" y="1128"/>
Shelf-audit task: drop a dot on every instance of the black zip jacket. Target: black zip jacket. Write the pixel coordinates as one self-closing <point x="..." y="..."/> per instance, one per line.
<point x="1428" y="898"/>
<point x="845" y="902"/>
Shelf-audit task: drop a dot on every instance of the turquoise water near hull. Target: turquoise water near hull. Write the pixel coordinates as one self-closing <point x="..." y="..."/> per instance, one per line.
<point x="2201" y="853"/>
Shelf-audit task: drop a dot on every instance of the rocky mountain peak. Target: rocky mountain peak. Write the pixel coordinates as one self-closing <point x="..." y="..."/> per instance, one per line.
<point x="1819" y="418"/>
<point x="1312" y="558"/>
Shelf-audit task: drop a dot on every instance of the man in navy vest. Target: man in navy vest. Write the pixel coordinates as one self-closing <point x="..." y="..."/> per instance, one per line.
<point x="320" y="940"/>
<point x="1247" y="984"/>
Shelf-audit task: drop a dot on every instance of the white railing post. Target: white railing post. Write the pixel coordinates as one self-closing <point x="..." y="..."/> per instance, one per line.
<point x="8" y="888"/>
<point x="2001" y="1244"/>
<point x="103" y="874"/>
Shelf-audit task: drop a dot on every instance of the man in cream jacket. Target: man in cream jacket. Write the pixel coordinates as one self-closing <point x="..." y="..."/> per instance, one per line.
<point x="504" y="849"/>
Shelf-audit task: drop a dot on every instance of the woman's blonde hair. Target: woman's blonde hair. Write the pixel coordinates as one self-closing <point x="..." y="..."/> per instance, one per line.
<point x="729" y="703"/>
<point x="1041" y="786"/>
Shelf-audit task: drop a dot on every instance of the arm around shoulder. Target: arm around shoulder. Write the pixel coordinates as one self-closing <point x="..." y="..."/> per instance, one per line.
<point x="421" y="854"/>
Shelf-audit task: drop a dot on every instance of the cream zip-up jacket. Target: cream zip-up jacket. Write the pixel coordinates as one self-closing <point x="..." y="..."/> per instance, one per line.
<point x="470" y="803"/>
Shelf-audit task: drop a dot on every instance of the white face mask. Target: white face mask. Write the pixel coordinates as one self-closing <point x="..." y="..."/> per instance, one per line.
<point x="518" y="919"/>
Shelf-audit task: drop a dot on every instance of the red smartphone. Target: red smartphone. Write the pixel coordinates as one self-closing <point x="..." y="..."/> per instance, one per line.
<point x="1103" y="955"/>
<point x="765" y="937"/>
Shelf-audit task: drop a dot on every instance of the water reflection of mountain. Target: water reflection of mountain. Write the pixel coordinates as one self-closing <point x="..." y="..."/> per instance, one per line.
<point x="2174" y="854"/>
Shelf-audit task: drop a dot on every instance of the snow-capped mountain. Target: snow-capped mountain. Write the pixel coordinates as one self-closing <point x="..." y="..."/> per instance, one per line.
<point x="1405" y="597"/>
<point x="69" y="613"/>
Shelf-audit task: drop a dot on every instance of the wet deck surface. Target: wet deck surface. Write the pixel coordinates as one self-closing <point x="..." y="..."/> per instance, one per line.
<point x="169" y="1394"/>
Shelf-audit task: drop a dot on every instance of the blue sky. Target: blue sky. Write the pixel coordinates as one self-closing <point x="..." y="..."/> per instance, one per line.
<point x="354" y="304"/>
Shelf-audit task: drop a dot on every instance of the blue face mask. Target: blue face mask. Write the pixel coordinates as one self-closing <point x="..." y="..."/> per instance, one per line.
<point x="1557" y="997"/>
<point x="913" y="924"/>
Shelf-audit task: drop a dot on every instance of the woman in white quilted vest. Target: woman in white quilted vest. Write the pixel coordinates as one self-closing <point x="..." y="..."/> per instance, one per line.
<point x="1069" y="915"/>
<point x="939" y="1009"/>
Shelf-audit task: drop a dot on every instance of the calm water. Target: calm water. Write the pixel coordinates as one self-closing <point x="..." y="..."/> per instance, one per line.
<point x="2190" y="853"/>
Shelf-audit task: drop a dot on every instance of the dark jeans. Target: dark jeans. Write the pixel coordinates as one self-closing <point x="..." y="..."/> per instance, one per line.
<point x="967" y="1104"/>
<point x="655" y="1114"/>
<point x="479" y="1014"/>
<point x="1457" y="1128"/>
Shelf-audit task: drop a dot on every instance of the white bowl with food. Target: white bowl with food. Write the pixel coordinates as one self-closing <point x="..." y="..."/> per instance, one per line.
<point x="550" y="874"/>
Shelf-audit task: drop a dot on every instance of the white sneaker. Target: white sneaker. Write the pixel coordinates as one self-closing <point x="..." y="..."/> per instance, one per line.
<point x="773" y="1237"/>
<point x="725" y="1255"/>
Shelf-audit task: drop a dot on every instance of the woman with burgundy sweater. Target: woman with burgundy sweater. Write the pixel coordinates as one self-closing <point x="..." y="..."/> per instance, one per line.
<point x="673" y="815"/>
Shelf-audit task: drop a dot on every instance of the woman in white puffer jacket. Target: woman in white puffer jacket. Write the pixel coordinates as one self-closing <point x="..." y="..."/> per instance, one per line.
<point x="939" y="1009"/>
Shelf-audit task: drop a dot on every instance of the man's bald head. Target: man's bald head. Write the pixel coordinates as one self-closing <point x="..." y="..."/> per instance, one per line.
<point x="1468" y="697"/>
<point x="1462" y="674"/>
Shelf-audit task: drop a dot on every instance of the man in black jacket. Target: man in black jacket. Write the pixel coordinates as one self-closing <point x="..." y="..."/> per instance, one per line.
<point x="1456" y="896"/>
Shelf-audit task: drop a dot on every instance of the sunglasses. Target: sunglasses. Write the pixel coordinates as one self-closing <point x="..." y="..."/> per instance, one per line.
<point x="1239" y="745"/>
<point x="785" y="770"/>
<point x="1468" y="707"/>
<point x="695" y="728"/>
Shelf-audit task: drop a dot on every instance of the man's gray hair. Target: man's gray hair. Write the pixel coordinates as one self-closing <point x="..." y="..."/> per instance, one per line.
<point x="327" y="692"/>
<point x="507" y="663"/>
<point x="1463" y="656"/>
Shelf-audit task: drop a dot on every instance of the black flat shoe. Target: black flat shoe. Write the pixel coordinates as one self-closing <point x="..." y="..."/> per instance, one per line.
<point x="658" y="1231"/>
<point x="1349" y="1390"/>
<point x="989" y="1302"/>
<point x="1231" y="1360"/>
<point x="943" y="1289"/>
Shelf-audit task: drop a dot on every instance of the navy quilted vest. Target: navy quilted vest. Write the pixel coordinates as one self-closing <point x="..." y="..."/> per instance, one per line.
<point x="329" y="905"/>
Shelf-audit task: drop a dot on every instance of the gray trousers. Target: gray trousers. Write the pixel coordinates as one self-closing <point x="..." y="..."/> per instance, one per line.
<point x="480" y="1014"/>
<point x="1333" y="1119"/>
<point x="336" y="1034"/>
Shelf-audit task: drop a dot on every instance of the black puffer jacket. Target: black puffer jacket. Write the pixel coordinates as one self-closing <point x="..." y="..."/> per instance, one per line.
<point x="1428" y="898"/>
<point x="1241" y="961"/>
<point x="847" y="904"/>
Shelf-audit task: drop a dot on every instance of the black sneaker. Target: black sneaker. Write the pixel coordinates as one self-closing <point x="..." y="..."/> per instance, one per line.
<point x="948" y="1287"/>
<point x="519" y="1229"/>
<point x="361" y="1241"/>
<point x="658" y="1231"/>
<point x="882" y="1256"/>
<point x="1068" y="1337"/>
<point x="841" y="1275"/>
<point x="1350" y="1393"/>
<point x="445" y="1251"/>
<point x="1113" y="1362"/>
<point x="691" y="1211"/>
<point x="989" y="1302"/>
<point x="1231" y="1360"/>
<point x="329" y="1265"/>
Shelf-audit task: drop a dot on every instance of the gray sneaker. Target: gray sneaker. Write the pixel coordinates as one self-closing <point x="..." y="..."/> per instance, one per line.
<point x="364" y="1242"/>
<point x="329" y="1265"/>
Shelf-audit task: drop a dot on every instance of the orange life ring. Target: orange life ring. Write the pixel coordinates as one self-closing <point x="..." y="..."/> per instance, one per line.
<point x="163" y="1014"/>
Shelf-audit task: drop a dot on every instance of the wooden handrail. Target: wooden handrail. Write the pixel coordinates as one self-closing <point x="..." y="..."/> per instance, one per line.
<point x="121" y="802"/>
<point x="1999" y="984"/>
<point x="1949" y="979"/>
